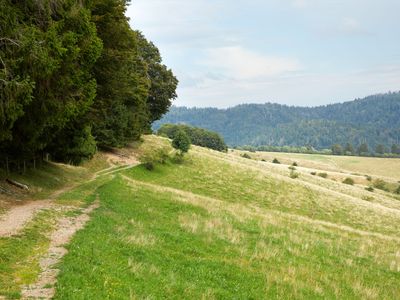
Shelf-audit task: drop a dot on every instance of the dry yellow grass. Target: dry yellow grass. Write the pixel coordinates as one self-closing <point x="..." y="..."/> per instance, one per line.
<point x="381" y="167"/>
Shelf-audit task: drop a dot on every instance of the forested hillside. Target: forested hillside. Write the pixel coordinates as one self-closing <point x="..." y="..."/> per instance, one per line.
<point x="74" y="76"/>
<point x="373" y="120"/>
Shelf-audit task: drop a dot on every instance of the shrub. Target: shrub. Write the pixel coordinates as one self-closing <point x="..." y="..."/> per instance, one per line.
<point x="369" y="178"/>
<point x="397" y="191"/>
<point x="294" y="174"/>
<point x="181" y="142"/>
<point x="148" y="160"/>
<point x="292" y="168"/>
<point x="276" y="161"/>
<point x="245" y="155"/>
<point x="294" y="164"/>
<point x="313" y="173"/>
<point x="263" y="160"/>
<point x="369" y="189"/>
<point x="323" y="175"/>
<point x="151" y="158"/>
<point x="149" y="165"/>
<point x="380" y="184"/>
<point x="349" y="181"/>
<point x="177" y="158"/>
<point x="162" y="155"/>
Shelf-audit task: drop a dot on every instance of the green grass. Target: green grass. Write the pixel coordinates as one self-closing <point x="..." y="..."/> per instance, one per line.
<point x="145" y="243"/>
<point x="214" y="228"/>
<point x="19" y="255"/>
<point x="218" y="226"/>
<point x="238" y="184"/>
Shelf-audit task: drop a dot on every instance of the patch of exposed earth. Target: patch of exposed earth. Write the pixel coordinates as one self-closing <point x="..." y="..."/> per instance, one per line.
<point x="43" y="288"/>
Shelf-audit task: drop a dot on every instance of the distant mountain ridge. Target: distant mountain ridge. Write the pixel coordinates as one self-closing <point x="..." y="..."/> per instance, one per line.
<point x="373" y="120"/>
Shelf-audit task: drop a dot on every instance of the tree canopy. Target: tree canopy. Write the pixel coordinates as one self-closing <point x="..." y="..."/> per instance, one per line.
<point x="181" y="141"/>
<point x="198" y="136"/>
<point x="74" y="75"/>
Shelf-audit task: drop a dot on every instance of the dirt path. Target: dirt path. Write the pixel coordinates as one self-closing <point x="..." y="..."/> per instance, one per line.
<point x="15" y="219"/>
<point x="66" y="228"/>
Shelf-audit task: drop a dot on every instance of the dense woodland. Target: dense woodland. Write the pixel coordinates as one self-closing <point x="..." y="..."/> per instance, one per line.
<point x="75" y="76"/>
<point x="372" y="122"/>
<point x="198" y="136"/>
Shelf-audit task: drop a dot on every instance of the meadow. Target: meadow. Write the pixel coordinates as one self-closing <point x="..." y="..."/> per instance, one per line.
<point x="223" y="227"/>
<point x="219" y="226"/>
<point x="383" y="167"/>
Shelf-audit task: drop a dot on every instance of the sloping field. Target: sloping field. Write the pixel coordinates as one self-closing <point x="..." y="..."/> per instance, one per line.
<point x="224" y="227"/>
<point x="373" y="166"/>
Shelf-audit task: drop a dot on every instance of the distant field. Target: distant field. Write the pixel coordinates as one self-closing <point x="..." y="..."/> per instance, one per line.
<point x="223" y="227"/>
<point x="385" y="167"/>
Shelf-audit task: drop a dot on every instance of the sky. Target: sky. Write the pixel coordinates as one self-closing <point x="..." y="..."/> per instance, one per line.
<point x="294" y="52"/>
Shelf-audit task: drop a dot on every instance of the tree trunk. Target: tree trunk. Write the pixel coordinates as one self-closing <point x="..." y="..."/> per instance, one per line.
<point x="7" y="167"/>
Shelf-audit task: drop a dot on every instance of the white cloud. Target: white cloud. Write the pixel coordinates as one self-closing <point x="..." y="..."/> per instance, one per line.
<point x="229" y="52"/>
<point x="239" y="63"/>
<point x="295" y="89"/>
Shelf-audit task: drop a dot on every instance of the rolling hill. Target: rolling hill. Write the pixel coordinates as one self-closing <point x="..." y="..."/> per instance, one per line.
<point x="373" y="120"/>
<point x="213" y="226"/>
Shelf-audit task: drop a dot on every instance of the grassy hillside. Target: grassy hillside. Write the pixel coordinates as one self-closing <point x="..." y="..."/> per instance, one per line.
<point x="20" y="254"/>
<point x="221" y="226"/>
<point x="381" y="167"/>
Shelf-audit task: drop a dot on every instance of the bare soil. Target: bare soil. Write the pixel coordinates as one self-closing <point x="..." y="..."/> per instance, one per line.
<point x="43" y="288"/>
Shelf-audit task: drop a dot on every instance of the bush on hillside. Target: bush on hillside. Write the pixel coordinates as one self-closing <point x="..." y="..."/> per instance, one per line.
<point x="276" y="161"/>
<point x="397" y="191"/>
<point x="294" y="174"/>
<point x="313" y="173"/>
<point x="380" y="185"/>
<point x="151" y="158"/>
<point x="349" y="181"/>
<point x="369" y="189"/>
<point x="245" y="155"/>
<point x="198" y="136"/>
<point x="181" y="142"/>
<point x="323" y="175"/>
<point x="294" y="164"/>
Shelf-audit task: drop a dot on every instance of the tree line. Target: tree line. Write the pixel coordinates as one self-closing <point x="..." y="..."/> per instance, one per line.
<point x="198" y="136"/>
<point x="75" y="76"/>
<point x="364" y="150"/>
<point x="336" y="149"/>
<point x="373" y="120"/>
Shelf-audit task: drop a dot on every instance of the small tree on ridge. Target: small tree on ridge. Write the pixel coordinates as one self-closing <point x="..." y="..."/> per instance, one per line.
<point x="181" y="142"/>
